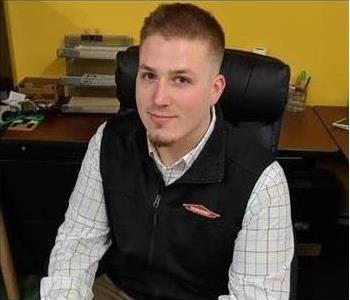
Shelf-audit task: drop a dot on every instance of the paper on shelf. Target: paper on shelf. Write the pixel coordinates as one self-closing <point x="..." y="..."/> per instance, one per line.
<point x="92" y="105"/>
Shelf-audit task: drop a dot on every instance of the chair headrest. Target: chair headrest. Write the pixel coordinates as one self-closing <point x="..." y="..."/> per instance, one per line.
<point x="256" y="85"/>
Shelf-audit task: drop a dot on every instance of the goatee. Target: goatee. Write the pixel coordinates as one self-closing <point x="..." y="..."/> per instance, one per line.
<point x="159" y="142"/>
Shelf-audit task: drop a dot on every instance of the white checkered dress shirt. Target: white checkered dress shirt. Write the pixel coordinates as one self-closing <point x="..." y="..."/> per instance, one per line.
<point x="263" y="251"/>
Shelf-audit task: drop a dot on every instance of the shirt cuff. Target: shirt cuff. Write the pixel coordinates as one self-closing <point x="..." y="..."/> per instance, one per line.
<point x="64" y="288"/>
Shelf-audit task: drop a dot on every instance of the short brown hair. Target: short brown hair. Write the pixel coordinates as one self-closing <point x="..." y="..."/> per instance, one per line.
<point x="186" y="21"/>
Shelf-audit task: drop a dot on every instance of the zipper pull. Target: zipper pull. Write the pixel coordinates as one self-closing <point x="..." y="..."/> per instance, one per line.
<point x="156" y="201"/>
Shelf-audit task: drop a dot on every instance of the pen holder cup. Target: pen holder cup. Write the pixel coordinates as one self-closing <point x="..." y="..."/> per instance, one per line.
<point x="296" y="100"/>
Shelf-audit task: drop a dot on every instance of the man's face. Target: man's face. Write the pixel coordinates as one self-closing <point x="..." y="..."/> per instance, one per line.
<point x="176" y="85"/>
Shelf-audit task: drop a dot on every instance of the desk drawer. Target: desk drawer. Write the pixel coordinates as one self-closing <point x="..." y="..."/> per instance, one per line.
<point x="43" y="152"/>
<point x="34" y="196"/>
<point x="31" y="245"/>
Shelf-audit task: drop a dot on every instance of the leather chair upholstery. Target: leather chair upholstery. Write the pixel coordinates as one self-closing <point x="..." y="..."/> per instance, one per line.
<point x="254" y="98"/>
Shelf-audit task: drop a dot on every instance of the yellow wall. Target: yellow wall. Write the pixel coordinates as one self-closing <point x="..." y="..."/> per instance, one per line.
<point x="310" y="35"/>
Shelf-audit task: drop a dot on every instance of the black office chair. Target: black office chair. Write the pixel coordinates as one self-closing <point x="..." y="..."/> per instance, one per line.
<point x="254" y="97"/>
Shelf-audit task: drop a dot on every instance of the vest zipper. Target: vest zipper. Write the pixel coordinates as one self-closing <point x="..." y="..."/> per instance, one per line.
<point x="156" y="203"/>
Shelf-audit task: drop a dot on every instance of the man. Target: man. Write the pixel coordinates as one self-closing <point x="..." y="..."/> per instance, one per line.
<point x="187" y="206"/>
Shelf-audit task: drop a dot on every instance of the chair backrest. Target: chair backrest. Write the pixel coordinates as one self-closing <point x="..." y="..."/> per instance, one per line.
<point x="254" y="97"/>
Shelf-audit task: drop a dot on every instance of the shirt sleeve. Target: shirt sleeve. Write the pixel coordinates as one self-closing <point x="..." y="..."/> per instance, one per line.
<point x="264" y="247"/>
<point x="82" y="239"/>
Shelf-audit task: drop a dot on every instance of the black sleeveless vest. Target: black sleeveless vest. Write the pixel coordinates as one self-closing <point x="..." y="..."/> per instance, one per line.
<point x="160" y="248"/>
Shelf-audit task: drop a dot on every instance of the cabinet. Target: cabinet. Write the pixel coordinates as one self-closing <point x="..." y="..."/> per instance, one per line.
<point x="34" y="197"/>
<point x="38" y="171"/>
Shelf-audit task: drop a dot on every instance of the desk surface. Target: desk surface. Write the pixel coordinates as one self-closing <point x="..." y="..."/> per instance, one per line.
<point x="330" y="114"/>
<point x="60" y="128"/>
<point x="301" y="132"/>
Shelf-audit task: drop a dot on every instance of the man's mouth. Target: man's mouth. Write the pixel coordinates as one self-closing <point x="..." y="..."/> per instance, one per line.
<point x="160" y="118"/>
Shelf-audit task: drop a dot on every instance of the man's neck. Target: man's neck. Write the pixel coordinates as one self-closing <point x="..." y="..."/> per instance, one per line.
<point x="170" y="154"/>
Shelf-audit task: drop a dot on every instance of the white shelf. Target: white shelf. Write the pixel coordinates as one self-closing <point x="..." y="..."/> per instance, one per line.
<point x="91" y="52"/>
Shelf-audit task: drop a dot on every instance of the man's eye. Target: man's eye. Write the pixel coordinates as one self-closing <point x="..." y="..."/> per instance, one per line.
<point x="148" y="76"/>
<point x="182" y="80"/>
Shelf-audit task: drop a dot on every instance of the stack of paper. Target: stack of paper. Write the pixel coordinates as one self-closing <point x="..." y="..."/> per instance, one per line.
<point x="91" y="105"/>
<point x="99" y="52"/>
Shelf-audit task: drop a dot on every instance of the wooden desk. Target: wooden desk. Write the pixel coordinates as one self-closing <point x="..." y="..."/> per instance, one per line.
<point x="330" y="114"/>
<point x="303" y="134"/>
<point x="53" y="153"/>
<point x="60" y="128"/>
<point x="57" y="147"/>
<point x="57" y="129"/>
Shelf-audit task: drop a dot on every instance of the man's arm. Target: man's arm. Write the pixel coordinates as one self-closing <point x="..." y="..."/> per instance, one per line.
<point x="264" y="247"/>
<point x="82" y="238"/>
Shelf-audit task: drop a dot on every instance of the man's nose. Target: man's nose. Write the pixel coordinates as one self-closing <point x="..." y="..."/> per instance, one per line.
<point x="160" y="96"/>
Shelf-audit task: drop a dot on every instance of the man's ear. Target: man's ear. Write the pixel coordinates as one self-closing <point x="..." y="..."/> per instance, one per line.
<point x="218" y="87"/>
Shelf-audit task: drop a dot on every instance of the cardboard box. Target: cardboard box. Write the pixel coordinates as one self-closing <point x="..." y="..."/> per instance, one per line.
<point x="38" y="89"/>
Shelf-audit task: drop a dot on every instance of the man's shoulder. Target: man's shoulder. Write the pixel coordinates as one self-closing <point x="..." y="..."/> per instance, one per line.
<point x="124" y="133"/>
<point x="246" y="147"/>
<point x="123" y="125"/>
